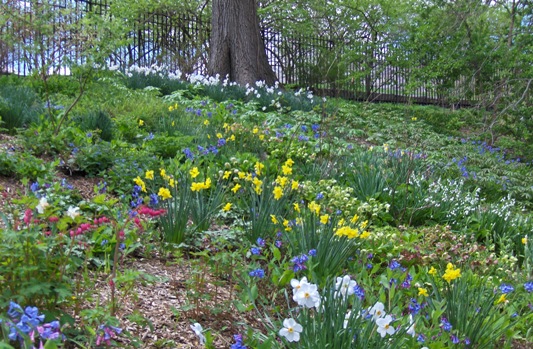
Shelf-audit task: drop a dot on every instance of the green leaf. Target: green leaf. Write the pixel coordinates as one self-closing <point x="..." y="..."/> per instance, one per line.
<point x="276" y="253"/>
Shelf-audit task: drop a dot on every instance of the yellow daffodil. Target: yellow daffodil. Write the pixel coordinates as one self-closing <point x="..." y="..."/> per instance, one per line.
<point x="227" y="207"/>
<point x="365" y="234"/>
<point x="324" y="219"/>
<point x="261" y="137"/>
<point x="286" y="225"/>
<point x="164" y="193"/>
<point x="314" y="207"/>
<point x="502" y="299"/>
<point x="141" y="122"/>
<point x="295" y="185"/>
<point x="422" y="292"/>
<point x="255" y="130"/>
<point x="241" y="174"/>
<point x="257" y="182"/>
<point x="289" y="162"/>
<point x="524" y="240"/>
<point x="171" y="182"/>
<point x="206" y="122"/>
<point x="194" y="172"/>
<point x="273" y="219"/>
<point x="232" y="138"/>
<point x="258" y="167"/>
<point x="282" y="181"/>
<point x="149" y="175"/>
<point x="162" y="172"/>
<point x="207" y="183"/>
<point x="278" y="192"/>
<point x="432" y="271"/>
<point x="354" y="219"/>
<point x="226" y="175"/>
<point x="347" y="231"/>
<point x="219" y="135"/>
<point x="296" y="207"/>
<point x="451" y="273"/>
<point x="197" y="186"/>
<point x="236" y="188"/>
<point x="287" y="170"/>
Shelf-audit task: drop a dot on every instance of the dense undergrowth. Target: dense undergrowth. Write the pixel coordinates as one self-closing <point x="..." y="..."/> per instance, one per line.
<point x="338" y="224"/>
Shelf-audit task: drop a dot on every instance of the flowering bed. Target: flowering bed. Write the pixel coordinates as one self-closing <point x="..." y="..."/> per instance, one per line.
<point x="289" y="221"/>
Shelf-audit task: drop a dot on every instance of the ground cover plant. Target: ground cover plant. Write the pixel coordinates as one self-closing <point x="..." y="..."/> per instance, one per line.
<point x="197" y="213"/>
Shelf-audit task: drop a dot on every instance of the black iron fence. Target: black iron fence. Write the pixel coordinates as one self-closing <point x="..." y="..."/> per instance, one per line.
<point x="363" y="71"/>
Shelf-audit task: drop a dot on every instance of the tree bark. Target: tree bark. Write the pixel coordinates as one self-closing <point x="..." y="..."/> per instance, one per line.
<point x="236" y="47"/>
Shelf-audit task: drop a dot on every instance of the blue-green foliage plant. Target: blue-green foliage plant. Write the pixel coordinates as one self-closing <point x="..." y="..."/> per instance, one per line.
<point x="19" y="106"/>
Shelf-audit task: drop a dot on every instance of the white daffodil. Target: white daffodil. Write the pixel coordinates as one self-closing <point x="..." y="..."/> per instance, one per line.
<point x="307" y="295"/>
<point x="73" y="212"/>
<point x="296" y="284"/>
<point x="43" y="204"/>
<point x="291" y="330"/>
<point x="345" y="286"/>
<point x="384" y="326"/>
<point x="377" y="311"/>
<point x="197" y="329"/>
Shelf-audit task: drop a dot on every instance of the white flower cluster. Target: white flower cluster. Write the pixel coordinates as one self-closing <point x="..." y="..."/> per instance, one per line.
<point x="452" y="195"/>
<point x="154" y="69"/>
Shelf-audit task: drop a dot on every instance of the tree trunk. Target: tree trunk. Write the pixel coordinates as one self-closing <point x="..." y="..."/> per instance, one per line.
<point x="236" y="47"/>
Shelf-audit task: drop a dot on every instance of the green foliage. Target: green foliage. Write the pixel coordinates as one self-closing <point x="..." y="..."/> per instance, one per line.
<point x="96" y="120"/>
<point x="96" y="158"/>
<point x="473" y="310"/>
<point x="20" y="106"/>
<point x="178" y="211"/>
<point x="24" y="165"/>
<point x="166" y="147"/>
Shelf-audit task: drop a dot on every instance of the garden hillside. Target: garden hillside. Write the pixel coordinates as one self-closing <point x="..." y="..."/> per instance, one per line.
<point x="139" y="210"/>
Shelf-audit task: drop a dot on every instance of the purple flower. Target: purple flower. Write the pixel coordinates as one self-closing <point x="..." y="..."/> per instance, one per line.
<point x="312" y="252"/>
<point x="414" y="307"/>
<point x="258" y="273"/>
<point x="221" y="142"/>
<point x="260" y="242"/>
<point x="529" y="286"/>
<point x="153" y="199"/>
<point x="188" y="153"/>
<point x="299" y="263"/>
<point x="359" y="291"/>
<point x="278" y="243"/>
<point x="238" y="342"/>
<point x="506" y="288"/>
<point x="319" y="196"/>
<point x="34" y="187"/>
<point x="394" y="264"/>
<point x="446" y="326"/>
<point x="455" y="339"/>
<point x="255" y="251"/>
<point x="420" y="338"/>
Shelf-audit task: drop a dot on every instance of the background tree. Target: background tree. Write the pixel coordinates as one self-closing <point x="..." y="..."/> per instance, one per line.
<point x="236" y="47"/>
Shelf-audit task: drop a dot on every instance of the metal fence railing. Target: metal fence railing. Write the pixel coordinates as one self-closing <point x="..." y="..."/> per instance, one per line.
<point x="181" y="42"/>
